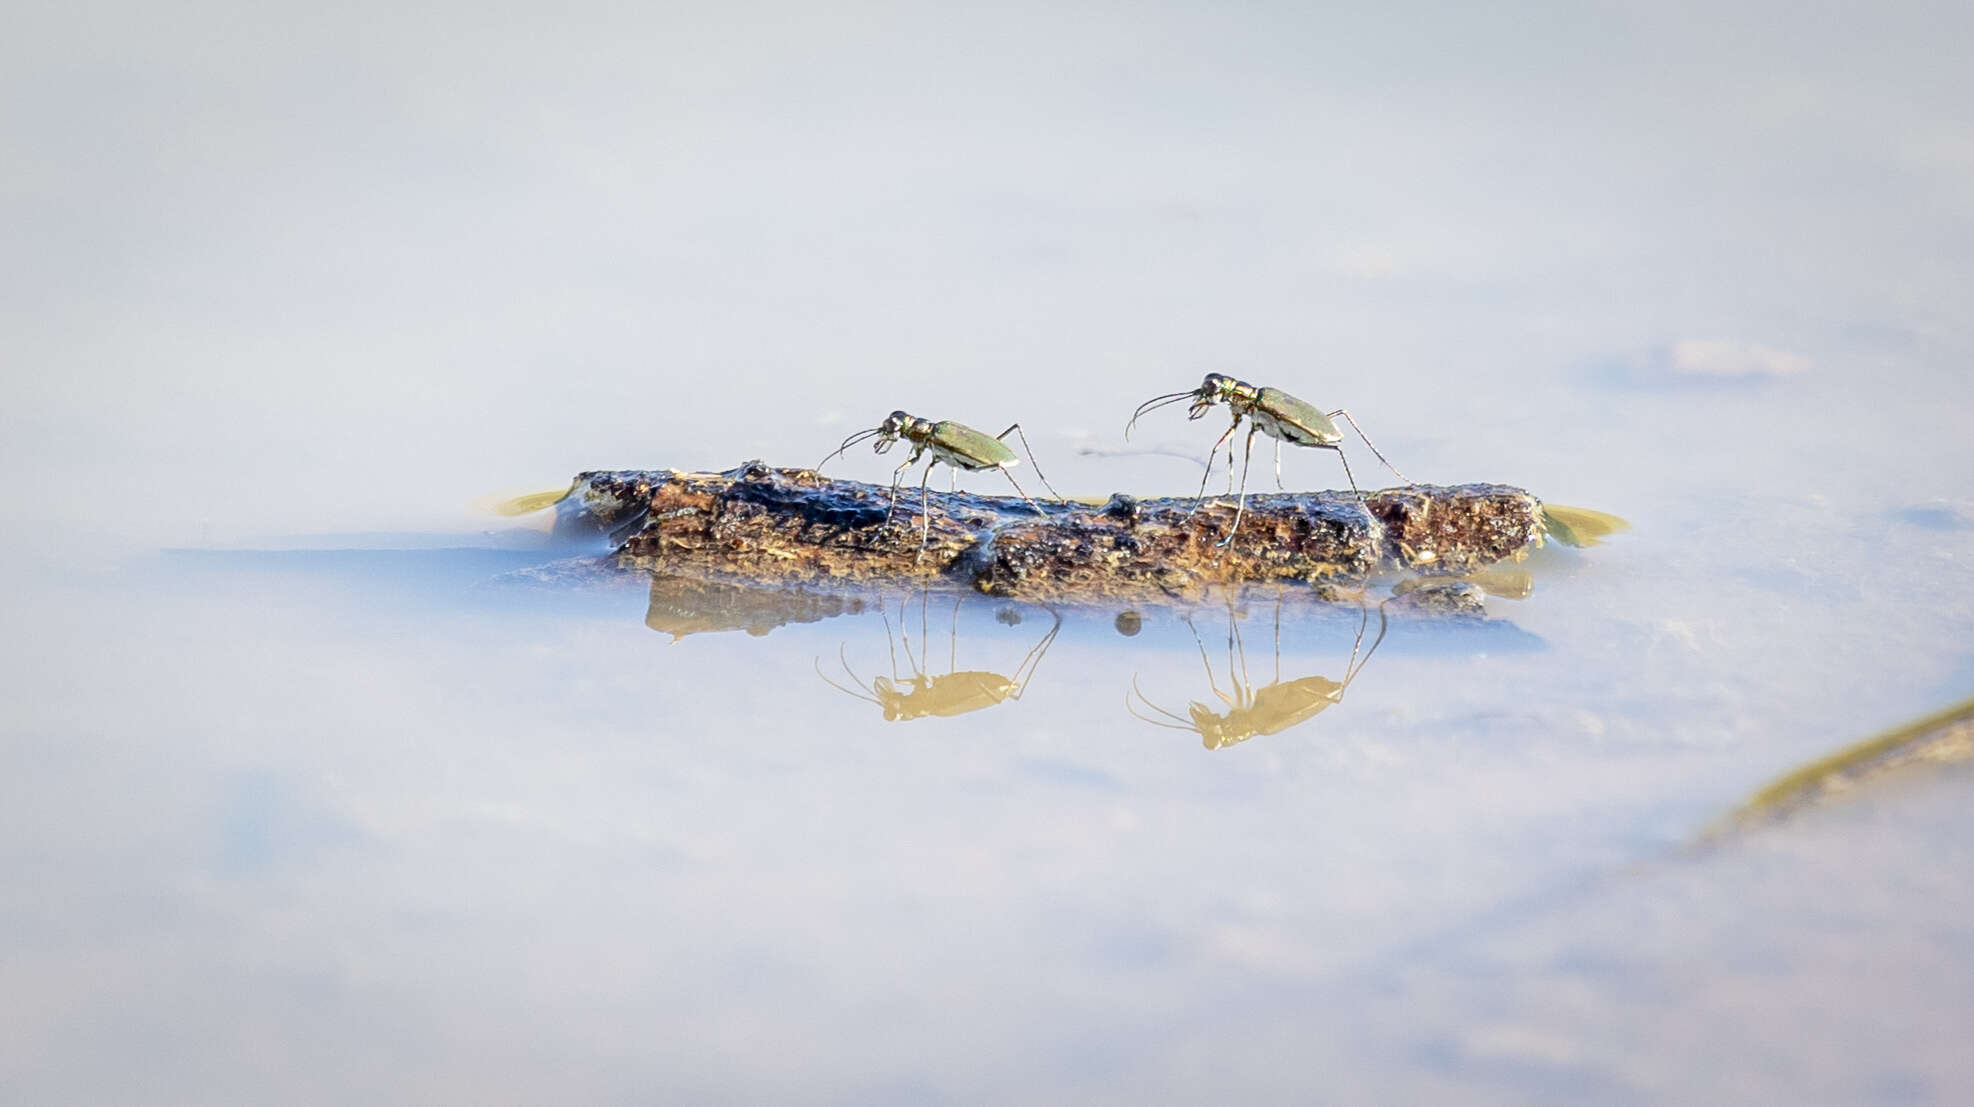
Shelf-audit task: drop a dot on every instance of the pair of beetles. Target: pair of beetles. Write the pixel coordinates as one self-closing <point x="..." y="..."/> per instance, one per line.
<point x="1269" y="411"/>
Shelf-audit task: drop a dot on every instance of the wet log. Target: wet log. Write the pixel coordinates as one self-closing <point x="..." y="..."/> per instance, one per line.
<point x="794" y="527"/>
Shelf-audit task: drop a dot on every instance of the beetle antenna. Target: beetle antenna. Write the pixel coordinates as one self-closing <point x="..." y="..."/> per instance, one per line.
<point x="1154" y="404"/>
<point x="847" y="443"/>
<point x="1146" y="700"/>
<point x="840" y="688"/>
<point x="1128" y="706"/>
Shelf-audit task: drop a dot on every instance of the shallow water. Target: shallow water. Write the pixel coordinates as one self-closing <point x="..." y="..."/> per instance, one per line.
<point x="332" y="824"/>
<point x="313" y="793"/>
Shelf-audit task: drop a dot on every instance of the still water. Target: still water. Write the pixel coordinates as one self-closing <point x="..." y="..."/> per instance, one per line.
<point x="427" y="823"/>
<point x="319" y="786"/>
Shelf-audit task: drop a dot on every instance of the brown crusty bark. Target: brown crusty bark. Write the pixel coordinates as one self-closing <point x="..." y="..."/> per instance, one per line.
<point x="795" y="527"/>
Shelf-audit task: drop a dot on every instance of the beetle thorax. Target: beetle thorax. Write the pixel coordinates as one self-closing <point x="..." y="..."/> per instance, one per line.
<point x="900" y="424"/>
<point x="1221" y="388"/>
<point x="909" y="427"/>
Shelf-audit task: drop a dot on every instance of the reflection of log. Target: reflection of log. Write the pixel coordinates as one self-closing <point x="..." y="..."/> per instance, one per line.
<point x="682" y="605"/>
<point x="792" y="526"/>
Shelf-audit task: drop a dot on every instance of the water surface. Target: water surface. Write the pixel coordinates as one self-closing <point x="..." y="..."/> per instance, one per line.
<point x="309" y="798"/>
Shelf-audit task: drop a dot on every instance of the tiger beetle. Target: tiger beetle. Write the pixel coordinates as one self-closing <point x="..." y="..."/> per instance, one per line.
<point x="1269" y="411"/>
<point x="956" y="444"/>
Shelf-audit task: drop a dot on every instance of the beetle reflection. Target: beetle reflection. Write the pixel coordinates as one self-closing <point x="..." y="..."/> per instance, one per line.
<point x="1269" y="709"/>
<point x="953" y="692"/>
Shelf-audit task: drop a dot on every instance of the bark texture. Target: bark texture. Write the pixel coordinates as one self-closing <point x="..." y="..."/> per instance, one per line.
<point x="795" y="527"/>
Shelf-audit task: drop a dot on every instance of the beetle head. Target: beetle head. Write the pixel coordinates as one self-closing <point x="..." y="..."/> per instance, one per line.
<point x="1217" y="388"/>
<point x="895" y="426"/>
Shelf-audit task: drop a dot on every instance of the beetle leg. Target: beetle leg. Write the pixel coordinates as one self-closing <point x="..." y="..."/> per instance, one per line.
<point x="1354" y="490"/>
<point x="1278" y="466"/>
<point x="912" y="661"/>
<point x="1357" y="664"/>
<point x="924" y="617"/>
<point x="1034" y="657"/>
<point x="1367" y="442"/>
<point x="1207" y="664"/>
<point x="1230" y="456"/>
<point x="891" y="640"/>
<point x="1278" y="638"/>
<point x="898" y="473"/>
<point x="924" y="510"/>
<point x="1024" y="494"/>
<point x="1016" y="428"/>
<point x="1245" y="685"/>
<point x="1208" y="475"/>
<point x="1240" y="507"/>
<point x="953" y="643"/>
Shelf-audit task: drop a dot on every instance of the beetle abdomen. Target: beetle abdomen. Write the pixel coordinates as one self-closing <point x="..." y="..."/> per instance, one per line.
<point x="961" y="445"/>
<point x="1293" y="420"/>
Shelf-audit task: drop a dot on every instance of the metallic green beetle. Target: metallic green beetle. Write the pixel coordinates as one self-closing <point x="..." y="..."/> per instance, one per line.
<point x="1269" y="411"/>
<point x="956" y="444"/>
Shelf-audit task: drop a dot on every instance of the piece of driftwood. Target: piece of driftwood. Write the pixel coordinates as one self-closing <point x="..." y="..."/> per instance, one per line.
<point x="795" y="527"/>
